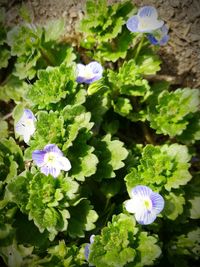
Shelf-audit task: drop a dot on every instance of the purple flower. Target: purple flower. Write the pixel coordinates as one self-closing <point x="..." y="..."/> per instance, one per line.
<point x="145" y="204"/>
<point x="26" y="125"/>
<point x="146" y="20"/>
<point x="87" y="247"/>
<point x="51" y="160"/>
<point x="159" y="37"/>
<point x="89" y="73"/>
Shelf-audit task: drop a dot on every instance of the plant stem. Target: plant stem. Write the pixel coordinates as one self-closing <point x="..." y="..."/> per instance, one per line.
<point x="147" y="135"/>
<point x="47" y="57"/>
<point x="139" y="47"/>
<point x="7" y="116"/>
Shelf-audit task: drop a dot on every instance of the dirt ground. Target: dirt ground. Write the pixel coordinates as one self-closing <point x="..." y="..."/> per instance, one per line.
<point x="181" y="56"/>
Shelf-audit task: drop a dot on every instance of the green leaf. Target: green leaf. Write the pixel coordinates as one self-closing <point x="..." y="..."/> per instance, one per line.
<point x="195" y="209"/>
<point x="174" y="203"/>
<point x="121" y="243"/>
<point x="186" y="244"/>
<point x="122" y="106"/>
<point x="82" y="158"/>
<point x="82" y="219"/>
<point x="24" y="39"/>
<point x="54" y="29"/>
<point x="54" y="84"/>
<point x="11" y="159"/>
<point x="4" y="56"/>
<point x="173" y="110"/>
<point x="161" y="167"/>
<point x="118" y="48"/>
<point x="3" y="129"/>
<point x="128" y="80"/>
<point x="13" y="89"/>
<point x="149" y="63"/>
<point x="111" y="154"/>
<point x="192" y="132"/>
<point x="48" y="202"/>
<point x="148" y="249"/>
<point x="25" y="66"/>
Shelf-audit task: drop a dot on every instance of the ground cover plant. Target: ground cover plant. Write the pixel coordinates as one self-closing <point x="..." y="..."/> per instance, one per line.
<point x="99" y="162"/>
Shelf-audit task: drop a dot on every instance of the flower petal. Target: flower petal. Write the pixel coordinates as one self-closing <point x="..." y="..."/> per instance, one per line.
<point x="148" y="12"/>
<point x="64" y="163"/>
<point x="132" y="24"/>
<point x="38" y="157"/>
<point x="87" y="251"/>
<point x="50" y="170"/>
<point x="131" y="205"/>
<point x="145" y="217"/>
<point x="29" y="114"/>
<point x="157" y="202"/>
<point x="141" y="191"/>
<point x="27" y="137"/>
<point x="53" y="148"/>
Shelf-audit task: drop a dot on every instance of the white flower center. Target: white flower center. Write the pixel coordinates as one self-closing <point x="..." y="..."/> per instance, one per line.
<point x="87" y="73"/>
<point x="147" y="203"/>
<point x="50" y="159"/>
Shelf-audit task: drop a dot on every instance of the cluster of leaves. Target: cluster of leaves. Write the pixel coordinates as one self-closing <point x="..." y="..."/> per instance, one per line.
<point x="122" y="244"/>
<point x="118" y="132"/>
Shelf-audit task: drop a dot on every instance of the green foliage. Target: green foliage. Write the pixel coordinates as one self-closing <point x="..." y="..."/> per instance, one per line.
<point x="123" y="130"/>
<point x="52" y="85"/>
<point x="161" y="167"/>
<point x="117" y="245"/>
<point x="45" y="200"/>
<point x="171" y="114"/>
<point x="4" y="50"/>
<point x="13" y="89"/>
<point x="111" y="155"/>
<point x="82" y="219"/>
<point x="128" y="80"/>
<point x="105" y="22"/>
<point x="103" y="27"/>
<point x="49" y="129"/>
<point x="3" y="129"/>
<point x="11" y="159"/>
<point x="185" y="247"/>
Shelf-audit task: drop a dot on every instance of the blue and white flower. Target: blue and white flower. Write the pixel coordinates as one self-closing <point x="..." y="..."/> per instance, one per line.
<point x="89" y="73"/>
<point x="145" y="21"/>
<point x="145" y="204"/>
<point x="26" y="125"/>
<point x="159" y="37"/>
<point x="51" y="160"/>
<point x="87" y="247"/>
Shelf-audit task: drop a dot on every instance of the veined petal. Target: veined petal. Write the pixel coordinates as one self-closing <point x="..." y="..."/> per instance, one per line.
<point x="89" y="73"/>
<point x="38" y="157"/>
<point x="132" y="24"/>
<point x="53" y="148"/>
<point x="141" y="191"/>
<point x="157" y="202"/>
<point x="145" y="217"/>
<point x="87" y="251"/>
<point x="148" y="12"/>
<point x="95" y="68"/>
<point x="149" y="25"/>
<point x="25" y="126"/>
<point x="29" y="114"/>
<point x="50" y="170"/>
<point x="64" y="164"/>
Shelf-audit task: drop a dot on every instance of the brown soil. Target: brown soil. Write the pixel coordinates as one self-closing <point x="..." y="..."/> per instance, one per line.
<point x="181" y="56"/>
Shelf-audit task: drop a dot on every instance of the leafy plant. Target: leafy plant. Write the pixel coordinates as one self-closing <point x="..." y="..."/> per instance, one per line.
<point x="122" y="143"/>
